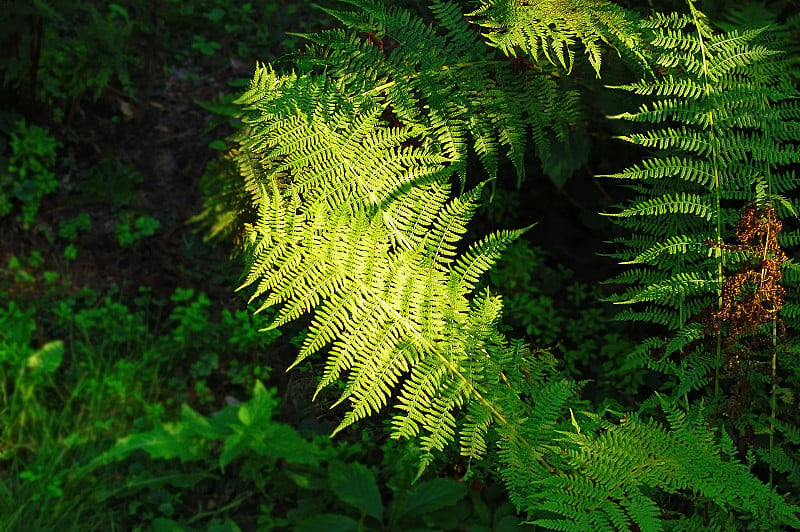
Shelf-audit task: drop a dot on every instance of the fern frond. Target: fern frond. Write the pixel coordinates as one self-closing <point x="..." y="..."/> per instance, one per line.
<point x="725" y="139"/>
<point x="472" y="437"/>
<point x="552" y="29"/>
<point x="674" y="245"/>
<point x="675" y="289"/>
<point x="444" y="77"/>
<point x="682" y="203"/>
<point x="355" y="228"/>
<point x="689" y="170"/>
<point x="621" y="463"/>
<point x="720" y="116"/>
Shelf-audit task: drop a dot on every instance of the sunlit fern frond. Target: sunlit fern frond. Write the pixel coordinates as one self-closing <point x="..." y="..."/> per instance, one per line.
<point x="357" y="225"/>
<point x="444" y="77"/>
<point x="554" y="29"/>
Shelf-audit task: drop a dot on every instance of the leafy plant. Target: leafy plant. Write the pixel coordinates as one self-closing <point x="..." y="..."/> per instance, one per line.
<point x="70" y="229"/>
<point x="425" y="503"/>
<point x="64" y="403"/>
<point x="348" y="162"/>
<point x="109" y="182"/>
<point x="302" y="481"/>
<point x="29" y="176"/>
<point x="205" y="46"/>
<point x="25" y="372"/>
<point x="706" y="228"/>
<point x="59" y="404"/>
<point x="129" y="233"/>
<point x="60" y="51"/>
<point x="529" y="286"/>
<point x="243" y="427"/>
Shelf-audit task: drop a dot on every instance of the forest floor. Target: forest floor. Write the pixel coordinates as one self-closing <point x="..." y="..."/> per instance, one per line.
<point x="125" y="155"/>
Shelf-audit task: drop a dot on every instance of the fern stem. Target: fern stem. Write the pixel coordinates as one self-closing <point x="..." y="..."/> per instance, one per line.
<point x="774" y="398"/>
<point x="716" y="186"/>
<point x="379" y="88"/>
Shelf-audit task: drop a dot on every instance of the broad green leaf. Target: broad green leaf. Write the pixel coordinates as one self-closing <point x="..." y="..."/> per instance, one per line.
<point x="167" y="442"/>
<point x="355" y="485"/>
<point x="328" y="523"/>
<point x="285" y="442"/>
<point x="257" y="412"/>
<point x="432" y="495"/>
<point x="235" y="445"/>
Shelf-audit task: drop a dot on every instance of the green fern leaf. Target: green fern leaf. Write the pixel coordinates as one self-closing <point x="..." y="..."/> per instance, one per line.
<point x="552" y="29"/>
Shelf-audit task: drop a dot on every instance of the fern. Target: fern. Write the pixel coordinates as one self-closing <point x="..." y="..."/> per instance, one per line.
<point x="552" y="29"/>
<point x="731" y="107"/>
<point x="707" y="220"/>
<point x="349" y="163"/>
<point x="440" y="76"/>
<point x="356" y="226"/>
<point x="619" y="464"/>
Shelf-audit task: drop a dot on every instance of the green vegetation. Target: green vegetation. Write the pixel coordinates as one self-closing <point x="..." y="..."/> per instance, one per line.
<point x="533" y="265"/>
<point x="29" y="174"/>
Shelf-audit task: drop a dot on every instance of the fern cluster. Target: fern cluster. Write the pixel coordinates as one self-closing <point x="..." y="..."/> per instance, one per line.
<point x="708" y="226"/>
<point x="351" y="165"/>
<point x="725" y="138"/>
<point x="356" y="223"/>
<point x="442" y="77"/>
<point x="611" y="469"/>
<point x="727" y="104"/>
<point x="553" y="28"/>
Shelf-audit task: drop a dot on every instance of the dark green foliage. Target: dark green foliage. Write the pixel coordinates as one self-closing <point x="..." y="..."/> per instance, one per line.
<point x="356" y="190"/>
<point x="29" y="175"/>
<point x="247" y="427"/>
<point x="109" y="369"/>
<point x="56" y="52"/>
<point x="726" y="138"/>
<point x="733" y="147"/>
<point x="618" y="465"/>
